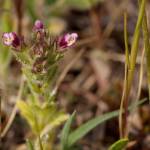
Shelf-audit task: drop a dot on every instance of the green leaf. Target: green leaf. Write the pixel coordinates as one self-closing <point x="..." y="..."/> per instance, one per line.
<point x="65" y="132"/>
<point x="41" y="119"/>
<point x="119" y="145"/>
<point x="31" y="79"/>
<point x="28" y="114"/>
<point x="58" y="119"/>
<point x="22" y="57"/>
<point x="51" y="73"/>
<point x="88" y="126"/>
<point x="91" y="124"/>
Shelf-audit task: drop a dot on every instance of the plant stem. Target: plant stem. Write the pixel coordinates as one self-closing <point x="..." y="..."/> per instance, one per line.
<point x="40" y="142"/>
<point x="38" y="132"/>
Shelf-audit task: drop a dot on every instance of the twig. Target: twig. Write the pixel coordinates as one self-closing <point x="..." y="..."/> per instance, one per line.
<point x="86" y="41"/>
<point x="14" y="111"/>
<point x="113" y="56"/>
<point x="118" y="12"/>
<point x="62" y="76"/>
<point x="96" y="28"/>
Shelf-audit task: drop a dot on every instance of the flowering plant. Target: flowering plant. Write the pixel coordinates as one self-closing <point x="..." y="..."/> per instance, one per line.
<point x="39" y="59"/>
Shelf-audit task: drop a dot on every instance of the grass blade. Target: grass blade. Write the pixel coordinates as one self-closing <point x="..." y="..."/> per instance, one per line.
<point x="147" y="48"/>
<point x="88" y="126"/>
<point x="65" y="132"/>
<point x="119" y="145"/>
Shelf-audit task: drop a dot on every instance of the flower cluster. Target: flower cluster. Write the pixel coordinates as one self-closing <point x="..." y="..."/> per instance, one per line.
<point x="41" y="54"/>
<point x="63" y="42"/>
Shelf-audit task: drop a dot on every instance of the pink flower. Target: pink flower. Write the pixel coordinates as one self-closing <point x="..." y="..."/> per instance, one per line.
<point x="11" y="39"/>
<point x="38" y="26"/>
<point x="67" y="40"/>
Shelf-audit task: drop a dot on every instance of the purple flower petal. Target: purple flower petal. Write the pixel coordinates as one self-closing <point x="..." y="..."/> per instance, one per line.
<point x="11" y="39"/>
<point x="8" y="38"/>
<point x="62" y="42"/>
<point x="67" y="40"/>
<point x="71" y="39"/>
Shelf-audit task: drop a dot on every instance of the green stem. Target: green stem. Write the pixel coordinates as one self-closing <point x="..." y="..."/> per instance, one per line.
<point x="38" y="132"/>
<point x="40" y="142"/>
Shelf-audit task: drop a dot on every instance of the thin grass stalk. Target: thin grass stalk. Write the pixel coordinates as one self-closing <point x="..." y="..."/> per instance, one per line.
<point x="134" y="48"/>
<point x="147" y="48"/>
<point x="121" y="126"/>
<point x="133" y="56"/>
<point x="140" y="76"/>
<point x="127" y="63"/>
<point x="141" y="71"/>
<point x="126" y="40"/>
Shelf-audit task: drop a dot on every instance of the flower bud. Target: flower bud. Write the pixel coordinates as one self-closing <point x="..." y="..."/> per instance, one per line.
<point x="38" y="50"/>
<point x="38" y="26"/>
<point x="67" y="40"/>
<point x="11" y="39"/>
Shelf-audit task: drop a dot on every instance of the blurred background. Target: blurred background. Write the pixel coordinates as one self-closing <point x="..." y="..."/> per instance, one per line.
<point x="95" y="66"/>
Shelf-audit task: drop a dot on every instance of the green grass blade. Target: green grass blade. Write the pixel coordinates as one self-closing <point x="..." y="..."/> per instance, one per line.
<point x="91" y="124"/>
<point x="65" y="132"/>
<point x="126" y="40"/>
<point x="135" y="43"/>
<point x="147" y="48"/>
<point x="119" y="145"/>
